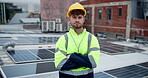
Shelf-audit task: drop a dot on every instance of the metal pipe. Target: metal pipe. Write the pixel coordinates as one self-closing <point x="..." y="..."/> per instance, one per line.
<point x="4" y="13"/>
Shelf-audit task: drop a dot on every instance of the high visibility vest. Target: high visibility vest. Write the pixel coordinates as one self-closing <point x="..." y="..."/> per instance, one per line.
<point x="84" y="43"/>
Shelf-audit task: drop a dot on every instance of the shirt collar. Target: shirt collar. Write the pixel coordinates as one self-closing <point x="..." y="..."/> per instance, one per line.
<point x="73" y="31"/>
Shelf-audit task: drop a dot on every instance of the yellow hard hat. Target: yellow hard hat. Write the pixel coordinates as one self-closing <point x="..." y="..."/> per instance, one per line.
<point x="76" y="6"/>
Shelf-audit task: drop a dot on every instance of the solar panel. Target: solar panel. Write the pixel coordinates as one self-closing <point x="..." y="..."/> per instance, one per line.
<point x="3" y="40"/>
<point x="132" y="71"/>
<point x="111" y="48"/>
<point x="43" y="53"/>
<point x="27" y="69"/>
<point x="22" y="56"/>
<point x="48" y="39"/>
<point x="102" y="75"/>
<point x="30" y="40"/>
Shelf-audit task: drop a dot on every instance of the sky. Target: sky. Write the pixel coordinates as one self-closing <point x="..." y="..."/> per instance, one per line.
<point x="22" y="1"/>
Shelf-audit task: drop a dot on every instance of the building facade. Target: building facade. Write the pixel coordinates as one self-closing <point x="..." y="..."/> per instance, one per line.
<point x="117" y="18"/>
<point x="53" y="15"/>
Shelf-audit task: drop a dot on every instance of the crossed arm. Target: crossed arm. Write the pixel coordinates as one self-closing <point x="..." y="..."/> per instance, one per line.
<point x="76" y="60"/>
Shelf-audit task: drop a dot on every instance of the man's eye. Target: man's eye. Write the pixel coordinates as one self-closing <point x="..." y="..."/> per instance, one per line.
<point x="74" y="17"/>
<point x="79" y="17"/>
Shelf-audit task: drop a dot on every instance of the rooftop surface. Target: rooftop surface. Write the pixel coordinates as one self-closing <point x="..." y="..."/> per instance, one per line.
<point x="119" y="59"/>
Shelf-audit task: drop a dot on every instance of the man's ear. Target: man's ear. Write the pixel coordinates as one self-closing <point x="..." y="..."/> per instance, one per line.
<point x="68" y="18"/>
<point x="84" y="18"/>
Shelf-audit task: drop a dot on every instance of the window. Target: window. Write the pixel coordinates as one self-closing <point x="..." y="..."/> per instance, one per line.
<point x="119" y="11"/>
<point x="99" y="13"/>
<point x="109" y="13"/>
<point x="87" y="14"/>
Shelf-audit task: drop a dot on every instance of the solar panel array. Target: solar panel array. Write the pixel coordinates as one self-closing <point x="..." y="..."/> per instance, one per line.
<point x="110" y="48"/>
<point x="133" y="71"/>
<point x="29" y="40"/>
<point x="21" y="56"/>
<point x="16" y="31"/>
<point x="25" y="37"/>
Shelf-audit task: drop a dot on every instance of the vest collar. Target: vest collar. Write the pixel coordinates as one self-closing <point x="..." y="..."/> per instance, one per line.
<point x="72" y="31"/>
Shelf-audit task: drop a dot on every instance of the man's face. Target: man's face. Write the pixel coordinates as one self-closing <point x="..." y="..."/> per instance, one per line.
<point x="77" y="21"/>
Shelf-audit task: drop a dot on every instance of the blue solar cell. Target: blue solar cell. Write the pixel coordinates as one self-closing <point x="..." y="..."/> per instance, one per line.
<point x="3" y="40"/>
<point x="22" y="56"/>
<point x="101" y="75"/>
<point x="48" y="39"/>
<point x="118" y="49"/>
<point x="25" y="40"/>
<point x="129" y="72"/>
<point x="43" y="53"/>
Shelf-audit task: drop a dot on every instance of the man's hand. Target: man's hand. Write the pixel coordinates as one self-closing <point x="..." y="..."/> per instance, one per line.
<point x="68" y="56"/>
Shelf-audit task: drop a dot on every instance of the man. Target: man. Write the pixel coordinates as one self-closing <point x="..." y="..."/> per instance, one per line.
<point x="78" y="51"/>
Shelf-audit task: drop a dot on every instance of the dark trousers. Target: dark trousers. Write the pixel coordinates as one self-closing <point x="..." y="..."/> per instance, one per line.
<point x="89" y="75"/>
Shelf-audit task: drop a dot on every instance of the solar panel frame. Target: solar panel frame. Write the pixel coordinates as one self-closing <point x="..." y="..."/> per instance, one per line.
<point x="53" y="50"/>
<point x="2" y="73"/>
<point x="102" y="75"/>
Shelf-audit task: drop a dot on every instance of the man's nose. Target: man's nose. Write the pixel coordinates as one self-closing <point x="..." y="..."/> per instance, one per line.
<point x="77" y="19"/>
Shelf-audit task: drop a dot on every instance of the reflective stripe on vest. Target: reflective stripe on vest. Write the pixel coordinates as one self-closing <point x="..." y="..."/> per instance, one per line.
<point x="89" y="42"/>
<point x="60" y="65"/>
<point x="93" y="49"/>
<point x="76" y="73"/>
<point x="66" y="38"/>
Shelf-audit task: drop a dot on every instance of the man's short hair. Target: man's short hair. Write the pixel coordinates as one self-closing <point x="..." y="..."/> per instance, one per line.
<point x="77" y="12"/>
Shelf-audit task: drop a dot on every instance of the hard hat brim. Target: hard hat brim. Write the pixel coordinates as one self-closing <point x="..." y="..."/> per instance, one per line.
<point x="68" y="13"/>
